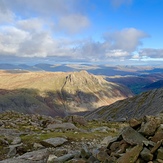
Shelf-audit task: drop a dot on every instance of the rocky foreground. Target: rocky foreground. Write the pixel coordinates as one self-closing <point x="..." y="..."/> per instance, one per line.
<point x="43" y="139"/>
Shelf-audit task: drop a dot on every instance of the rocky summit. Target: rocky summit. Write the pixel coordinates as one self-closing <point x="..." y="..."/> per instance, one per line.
<point x="147" y="103"/>
<point x="41" y="139"/>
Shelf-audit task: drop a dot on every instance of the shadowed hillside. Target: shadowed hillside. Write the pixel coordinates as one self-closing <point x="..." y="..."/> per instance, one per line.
<point x="147" y="103"/>
<point x="57" y="93"/>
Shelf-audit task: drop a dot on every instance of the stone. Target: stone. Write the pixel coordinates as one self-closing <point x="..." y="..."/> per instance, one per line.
<point x="9" y="132"/>
<point x="38" y="155"/>
<point x="51" y="158"/>
<point x="157" y="137"/>
<point x="146" y="154"/>
<point x="131" y="156"/>
<point x="115" y="146"/>
<point x="77" y="160"/>
<point x="149" y="127"/>
<point x="159" y="161"/>
<point x="154" y="149"/>
<point x="17" y="160"/>
<point x="85" y="153"/>
<point x="92" y="159"/>
<point x="3" y="142"/>
<point x="100" y="129"/>
<point x="63" y="158"/>
<point x="60" y="152"/>
<point x="160" y="153"/>
<point x="105" y="141"/>
<point x="16" y="140"/>
<point x="111" y="140"/>
<point x="134" y="123"/>
<point x="102" y="155"/>
<point x="38" y="146"/>
<point x="123" y="146"/>
<point x="132" y="137"/>
<point x="13" y="150"/>
<point x="53" y="142"/>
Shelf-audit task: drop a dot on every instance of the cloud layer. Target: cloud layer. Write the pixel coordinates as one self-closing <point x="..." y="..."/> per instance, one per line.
<point x="40" y="28"/>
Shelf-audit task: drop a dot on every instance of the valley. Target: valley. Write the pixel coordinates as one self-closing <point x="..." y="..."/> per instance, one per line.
<point x="57" y="117"/>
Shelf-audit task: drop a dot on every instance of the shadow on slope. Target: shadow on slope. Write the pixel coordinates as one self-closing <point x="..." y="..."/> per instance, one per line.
<point x="57" y="103"/>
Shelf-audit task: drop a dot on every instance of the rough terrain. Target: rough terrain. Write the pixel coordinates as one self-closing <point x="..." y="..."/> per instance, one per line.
<point x="42" y="139"/>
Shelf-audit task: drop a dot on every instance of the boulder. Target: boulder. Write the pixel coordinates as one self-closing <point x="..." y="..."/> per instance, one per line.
<point x="131" y="156"/>
<point x="39" y="155"/>
<point x="53" y="142"/>
<point x="132" y="137"/>
<point x="146" y="154"/>
<point x="149" y="127"/>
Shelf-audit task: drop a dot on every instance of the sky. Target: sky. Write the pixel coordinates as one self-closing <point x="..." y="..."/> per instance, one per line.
<point x="81" y="31"/>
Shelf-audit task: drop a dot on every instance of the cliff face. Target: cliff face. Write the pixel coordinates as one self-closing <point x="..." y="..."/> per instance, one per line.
<point x="57" y="93"/>
<point x="147" y="103"/>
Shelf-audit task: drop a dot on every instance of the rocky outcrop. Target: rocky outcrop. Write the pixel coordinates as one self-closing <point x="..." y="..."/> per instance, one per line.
<point x="148" y="103"/>
<point x="135" y="143"/>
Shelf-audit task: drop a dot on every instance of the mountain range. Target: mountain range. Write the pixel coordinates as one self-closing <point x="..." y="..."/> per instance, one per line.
<point x="57" y="93"/>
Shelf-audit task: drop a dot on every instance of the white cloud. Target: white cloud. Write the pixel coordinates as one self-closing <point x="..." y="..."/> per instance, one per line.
<point x="6" y="16"/>
<point x="73" y="23"/>
<point x="151" y="53"/>
<point x="127" y="39"/>
<point x="10" y="38"/>
<point x="33" y="24"/>
<point x="117" y="53"/>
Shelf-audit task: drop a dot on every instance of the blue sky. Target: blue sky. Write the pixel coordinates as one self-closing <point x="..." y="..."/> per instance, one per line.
<point x="93" y="31"/>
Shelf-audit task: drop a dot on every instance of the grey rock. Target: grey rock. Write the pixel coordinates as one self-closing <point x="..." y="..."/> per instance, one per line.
<point x="93" y="159"/>
<point x="10" y="132"/>
<point x="106" y="140"/>
<point x="13" y="150"/>
<point x="36" y="155"/>
<point x="16" y="140"/>
<point x="132" y="137"/>
<point x="85" y="153"/>
<point x="53" y="142"/>
<point x="149" y="128"/>
<point x="146" y="154"/>
<point x="51" y="158"/>
<point x="160" y="154"/>
<point x="62" y="158"/>
<point x="131" y="156"/>
<point x="3" y="142"/>
<point x="38" y="146"/>
<point x="134" y="123"/>
<point x="17" y="160"/>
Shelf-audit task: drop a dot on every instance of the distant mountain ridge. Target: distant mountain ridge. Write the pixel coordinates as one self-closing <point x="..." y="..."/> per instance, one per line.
<point x="155" y="85"/>
<point x="94" y="69"/>
<point x="147" y="103"/>
<point x="57" y="93"/>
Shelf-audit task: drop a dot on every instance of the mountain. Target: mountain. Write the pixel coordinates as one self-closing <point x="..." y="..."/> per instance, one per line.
<point x="107" y="70"/>
<point x="147" y="103"/>
<point x="157" y="84"/>
<point x="138" y="83"/>
<point x="56" y="93"/>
